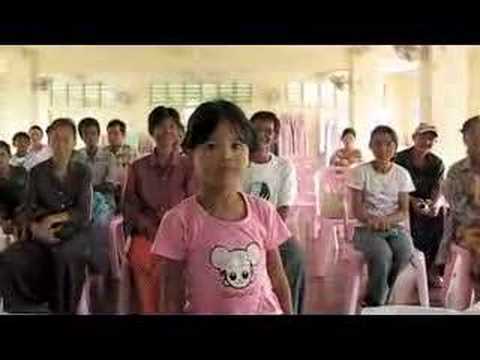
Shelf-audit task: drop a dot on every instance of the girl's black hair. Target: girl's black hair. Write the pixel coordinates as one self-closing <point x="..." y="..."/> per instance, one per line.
<point x="160" y="114"/>
<point x="6" y="147"/>
<point x="347" y="131"/>
<point x="382" y="129"/>
<point x="19" y="135"/>
<point x="86" y="123"/>
<point x="207" y="116"/>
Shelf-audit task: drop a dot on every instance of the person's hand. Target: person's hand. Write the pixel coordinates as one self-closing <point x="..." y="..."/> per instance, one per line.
<point x="377" y="223"/>
<point x="433" y="210"/>
<point x="421" y="207"/>
<point x="44" y="232"/>
<point x="126" y="248"/>
<point x="55" y="220"/>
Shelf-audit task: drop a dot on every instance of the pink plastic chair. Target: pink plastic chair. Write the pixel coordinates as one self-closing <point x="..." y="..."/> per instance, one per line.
<point x="120" y="268"/>
<point x="330" y="228"/>
<point x="412" y="283"/>
<point x="458" y="290"/>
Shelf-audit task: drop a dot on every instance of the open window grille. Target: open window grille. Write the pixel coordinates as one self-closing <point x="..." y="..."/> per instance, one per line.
<point x="83" y="95"/>
<point x="186" y="95"/>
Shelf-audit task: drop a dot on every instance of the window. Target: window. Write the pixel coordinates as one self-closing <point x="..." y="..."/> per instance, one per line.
<point x="74" y="95"/>
<point x="186" y="95"/>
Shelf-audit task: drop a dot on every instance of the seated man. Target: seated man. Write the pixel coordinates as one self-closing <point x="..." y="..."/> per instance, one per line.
<point x="462" y="191"/>
<point x="49" y="266"/>
<point x="124" y="154"/>
<point x="21" y="141"/>
<point x="274" y="179"/>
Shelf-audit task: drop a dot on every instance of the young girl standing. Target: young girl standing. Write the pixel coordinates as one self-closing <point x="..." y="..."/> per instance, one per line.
<point x="221" y="245"/>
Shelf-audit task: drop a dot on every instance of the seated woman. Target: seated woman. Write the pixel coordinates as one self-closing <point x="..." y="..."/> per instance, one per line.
<point x="380" y="200"/>
<point x="38" y="152"/>
<point x="155" y="183"/>
<point x="49" y="266"/>
<point x="348" y="155"/>
<point x="13" y="181"/>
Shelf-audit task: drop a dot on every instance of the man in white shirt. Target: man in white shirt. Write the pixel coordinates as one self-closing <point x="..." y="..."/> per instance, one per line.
<point x="274" y="179"/>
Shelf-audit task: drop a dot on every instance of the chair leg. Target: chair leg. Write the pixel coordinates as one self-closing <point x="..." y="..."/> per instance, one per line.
<point x="422" y="279"/>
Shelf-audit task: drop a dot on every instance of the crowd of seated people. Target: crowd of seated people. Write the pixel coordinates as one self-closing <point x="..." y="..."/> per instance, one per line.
<point x="205" y="212"/>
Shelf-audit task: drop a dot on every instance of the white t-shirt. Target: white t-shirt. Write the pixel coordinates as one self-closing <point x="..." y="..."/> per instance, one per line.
<point x="380" y="190"/>
<point x="18" y="161"/>
<point x="274" y="181"/>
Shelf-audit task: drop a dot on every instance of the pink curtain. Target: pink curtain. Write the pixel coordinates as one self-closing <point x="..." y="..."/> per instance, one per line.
<point x="293" y="136"/>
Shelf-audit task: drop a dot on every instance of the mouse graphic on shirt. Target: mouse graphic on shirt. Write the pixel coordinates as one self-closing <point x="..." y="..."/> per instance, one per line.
<point x="261" y="190"/>
<point x="236" y="266"/>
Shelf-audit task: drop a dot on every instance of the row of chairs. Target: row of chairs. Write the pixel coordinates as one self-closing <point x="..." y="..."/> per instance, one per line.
<point x="328" y="239"/>
<point x="332" y="240"/>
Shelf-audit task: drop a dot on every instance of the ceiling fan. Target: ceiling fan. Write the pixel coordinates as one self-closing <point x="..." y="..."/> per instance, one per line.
<point x="409" y="53"/>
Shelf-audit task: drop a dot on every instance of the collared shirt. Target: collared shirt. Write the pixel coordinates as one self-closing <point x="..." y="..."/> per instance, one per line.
<point x="102" y="165"/>
<point x="462" y="191"/>
<point x="153" y="189"/>
<point x="47" y="194"/>
<point x="123" y="157"/>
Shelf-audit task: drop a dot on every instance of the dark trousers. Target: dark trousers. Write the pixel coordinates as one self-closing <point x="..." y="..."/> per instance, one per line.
<point x="32" y="273"/>
<point x="427" y="234"/>
<point x="294" y="264"/>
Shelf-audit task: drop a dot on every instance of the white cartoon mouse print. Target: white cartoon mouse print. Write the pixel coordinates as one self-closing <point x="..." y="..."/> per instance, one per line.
<point x="237" y="266"/>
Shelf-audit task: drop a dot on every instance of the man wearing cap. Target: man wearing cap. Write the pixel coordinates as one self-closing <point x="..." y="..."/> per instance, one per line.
<point x="426" y="215"/>
<point x="462" y="191"/>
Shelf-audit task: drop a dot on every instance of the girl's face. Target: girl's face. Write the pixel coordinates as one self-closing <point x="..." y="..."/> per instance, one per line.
<point x="36" y="136"/>
<point x="222" y="160"/>
<point x="4" y="158"/>
<point x="166" y="134"/>
<point x="383" y="147"/>
<point x="348" y="140"/>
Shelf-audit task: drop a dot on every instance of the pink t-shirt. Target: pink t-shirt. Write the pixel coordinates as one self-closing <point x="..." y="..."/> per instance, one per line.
<point x="225" y="261"/>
